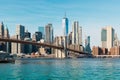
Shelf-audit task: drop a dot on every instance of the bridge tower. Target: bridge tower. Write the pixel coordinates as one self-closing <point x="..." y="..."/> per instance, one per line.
<point x="65" y="46"/>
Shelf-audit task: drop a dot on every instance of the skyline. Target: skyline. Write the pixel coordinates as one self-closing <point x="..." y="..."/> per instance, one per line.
<point x="92" y="15"/>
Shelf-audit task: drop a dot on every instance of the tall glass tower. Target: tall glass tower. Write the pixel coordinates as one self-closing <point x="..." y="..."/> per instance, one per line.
<point x="42" y="30"/>
<point x="65" y="26"/>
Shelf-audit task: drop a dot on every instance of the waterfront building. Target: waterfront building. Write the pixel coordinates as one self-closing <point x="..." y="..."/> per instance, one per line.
<point x="99" y="51"/>
<point x="115" y="50"/>
<point x="76" y="33"/>
<point x="49" y="33"/>
<point x="27" y="34"/>
<point x="1" y="30"/>
<point x="42" y="30"/>
<point x="65" y="26"/>
<point x="107" y="37"/>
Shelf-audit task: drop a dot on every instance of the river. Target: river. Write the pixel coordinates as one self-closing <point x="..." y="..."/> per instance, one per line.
<point x="62" y="69"/>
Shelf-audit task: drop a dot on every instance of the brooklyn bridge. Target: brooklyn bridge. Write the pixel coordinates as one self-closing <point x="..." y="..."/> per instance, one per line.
<point x="60" y="47"/>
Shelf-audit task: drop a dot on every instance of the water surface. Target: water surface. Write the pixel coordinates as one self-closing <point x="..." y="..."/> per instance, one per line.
<point x="66" y="69"/>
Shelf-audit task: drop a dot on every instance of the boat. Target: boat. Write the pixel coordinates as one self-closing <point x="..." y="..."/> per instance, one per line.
<point x="6" y="58"/>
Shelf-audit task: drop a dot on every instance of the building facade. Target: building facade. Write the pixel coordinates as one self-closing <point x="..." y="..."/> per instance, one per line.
<point x="49" y="33"/>
<point x="27" y="34"/>
<point x="20" y="34"/>
<point x="42" y="30"/>
<point x="38" y="36"/>
<point x="76" y="33"/>
<point x="65" y="26"/>
<point x="107" y="37"/>
<point x="1" y="30"/>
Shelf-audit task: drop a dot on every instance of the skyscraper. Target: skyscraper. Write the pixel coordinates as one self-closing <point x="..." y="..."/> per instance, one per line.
<point x="38" y="36"/>
<point x="107" y="37"/>
<point x="76" y="33"/>
<point x="65" y="26"/>
<point x="87" y="44"/>
<point x="1" y="30"/>
<point x="20" y="31"/>
<point x="49" y="33"/>
<point x="42" y="30"/>
<point x="27" y="34"/>
<point x="6" y="33"/>
<point x="20" y="34"/>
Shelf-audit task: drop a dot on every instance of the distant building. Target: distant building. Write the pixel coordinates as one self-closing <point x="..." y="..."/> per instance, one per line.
<point x="33" y="37"/>
<point x="76" y="33"/>
<point x="27" y="34"/>
<point x="27" y="47"/>
<point x="20" y="34"/>
<point x="116" y="41"/>
<point x="20" y="31"/>
<point x="115" y="50"/>
<point x="70" y="38"/>
<point x="107" y="37"/>
<point x="42" y="30"/>
<point x="49" y="33"/>
<point x="99" y="51"/>
<point x="65" y="26"/>
<point x="1" y="30"/>
<point x="38" y="36"/>
<point x="87" y="45"/>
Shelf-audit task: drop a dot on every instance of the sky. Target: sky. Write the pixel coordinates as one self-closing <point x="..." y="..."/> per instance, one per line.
<point x="91" y="14"/>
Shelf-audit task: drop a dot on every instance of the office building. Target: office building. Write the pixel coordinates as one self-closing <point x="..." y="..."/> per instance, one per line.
<point x="65" y="26"/>
<point x="76" y="33"/>
<point x="87" y="44"/>
<point x="70" y="38"/>
<point x="42" y="30"/>
<point x="116" y="41"/>
<point x="99" y="51"/>
<point x="27" y="34"/>
<point x="49" y="33"/>
<point x="20" y="34"/>
<point x="20" y="31"/>
<point x="38" y="36"/>
<point x="107" y="37"/>
<point x="1" y="30"/>
<point x="27" y="47"/>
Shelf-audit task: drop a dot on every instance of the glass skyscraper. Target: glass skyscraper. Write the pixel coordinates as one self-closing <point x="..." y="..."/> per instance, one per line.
<point x="42" y="30"/>
<point x="65" y="26"/>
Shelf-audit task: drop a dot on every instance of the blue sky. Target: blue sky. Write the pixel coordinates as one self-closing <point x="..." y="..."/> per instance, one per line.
<point x="91" y="14"/>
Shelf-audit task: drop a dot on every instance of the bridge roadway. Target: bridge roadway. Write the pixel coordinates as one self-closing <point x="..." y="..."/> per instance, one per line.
<point x="41" y="44"/>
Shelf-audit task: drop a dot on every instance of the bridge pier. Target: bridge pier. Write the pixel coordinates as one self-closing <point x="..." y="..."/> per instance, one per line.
<point x="65" y="46"/>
